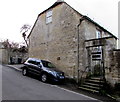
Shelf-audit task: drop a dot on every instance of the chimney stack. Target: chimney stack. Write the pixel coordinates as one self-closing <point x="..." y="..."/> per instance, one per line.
<point x="60" y="0"/>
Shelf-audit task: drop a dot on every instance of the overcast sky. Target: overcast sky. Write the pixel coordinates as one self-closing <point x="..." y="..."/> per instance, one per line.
<point x="15" y="13"/>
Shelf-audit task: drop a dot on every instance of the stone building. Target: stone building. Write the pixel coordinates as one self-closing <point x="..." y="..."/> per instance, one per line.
<point x="18" y="55"/>
<point x="73" y="42"/>
<point x="12" y="55"/>
<point x="3" y="55"/>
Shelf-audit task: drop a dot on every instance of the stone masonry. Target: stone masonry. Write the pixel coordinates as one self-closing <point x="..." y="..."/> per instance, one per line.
<point x="57" y="41"/>
<point x="113" y="75"/>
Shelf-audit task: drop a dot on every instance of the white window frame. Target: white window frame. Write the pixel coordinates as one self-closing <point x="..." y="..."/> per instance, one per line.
<point x="49" y="16"/>
<point x="98" y="34"/>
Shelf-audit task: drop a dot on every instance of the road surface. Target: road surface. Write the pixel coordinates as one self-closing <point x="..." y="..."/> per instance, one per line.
<point x="18" y="87"/>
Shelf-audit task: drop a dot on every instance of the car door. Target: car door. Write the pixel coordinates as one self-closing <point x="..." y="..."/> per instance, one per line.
<point x="35" y="67"/>
<point x="31" y="66"/>
<point x="38" y="67"/>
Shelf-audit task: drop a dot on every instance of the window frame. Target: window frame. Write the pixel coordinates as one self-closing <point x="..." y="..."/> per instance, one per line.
<point x="49" y="16"/>
<point x="98" y="33"/>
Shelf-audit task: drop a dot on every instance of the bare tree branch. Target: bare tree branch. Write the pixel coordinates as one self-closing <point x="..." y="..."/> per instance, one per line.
<point x="24" y="29"/>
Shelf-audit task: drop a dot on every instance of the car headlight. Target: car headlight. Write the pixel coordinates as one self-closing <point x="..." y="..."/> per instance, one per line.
<point x="53" y="73"/>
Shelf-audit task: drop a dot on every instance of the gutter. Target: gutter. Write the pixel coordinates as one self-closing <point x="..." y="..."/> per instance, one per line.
<point x="78" y="70"/>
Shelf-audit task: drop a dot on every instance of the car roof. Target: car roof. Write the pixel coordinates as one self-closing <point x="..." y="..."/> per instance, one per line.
<point x="34" y="59"/>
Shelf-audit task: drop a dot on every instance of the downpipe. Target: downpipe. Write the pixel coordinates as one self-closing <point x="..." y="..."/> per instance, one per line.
<point x="78" y="39"/>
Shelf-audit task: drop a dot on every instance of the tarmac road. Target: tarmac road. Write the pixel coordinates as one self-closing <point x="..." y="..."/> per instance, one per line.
<point x="18" y="87"/>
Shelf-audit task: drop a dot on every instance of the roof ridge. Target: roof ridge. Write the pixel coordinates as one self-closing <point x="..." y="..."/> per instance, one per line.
<point x="60" y="1"/>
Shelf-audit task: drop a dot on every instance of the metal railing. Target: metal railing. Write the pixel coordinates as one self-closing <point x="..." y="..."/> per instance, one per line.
<point x="83" y="72"/>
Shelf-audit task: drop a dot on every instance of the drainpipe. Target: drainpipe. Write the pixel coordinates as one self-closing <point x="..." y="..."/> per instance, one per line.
<point x="103" y="65"/>
<point x="78" y="70"/>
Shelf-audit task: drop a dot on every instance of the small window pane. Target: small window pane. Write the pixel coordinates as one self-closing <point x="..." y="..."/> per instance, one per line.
<point x="49" y="13"/>
<point x="49" y="17"/>
<point x="98" y="34"/>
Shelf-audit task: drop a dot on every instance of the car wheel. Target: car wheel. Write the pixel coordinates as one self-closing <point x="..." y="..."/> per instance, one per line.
<point x="24" y="71"/>
<point x="44" y="78"/>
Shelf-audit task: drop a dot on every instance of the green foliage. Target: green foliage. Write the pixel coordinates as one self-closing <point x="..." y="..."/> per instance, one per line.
<point x="97" y="70"/>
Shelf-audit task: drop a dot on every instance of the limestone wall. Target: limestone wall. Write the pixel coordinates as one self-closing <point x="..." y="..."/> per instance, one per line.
<point x="4" y="56"/>
<point x="113" y="71"/>
<point x="0" y="56"/>
<point x="57" y="41"/>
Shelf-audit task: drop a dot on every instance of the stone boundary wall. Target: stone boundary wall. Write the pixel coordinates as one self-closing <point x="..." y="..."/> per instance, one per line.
<point x="117" y="62"/>
<point x="113" y="68"/>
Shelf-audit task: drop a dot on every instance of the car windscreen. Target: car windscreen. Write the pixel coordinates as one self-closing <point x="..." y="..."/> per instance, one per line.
<point x="47" y="64"/>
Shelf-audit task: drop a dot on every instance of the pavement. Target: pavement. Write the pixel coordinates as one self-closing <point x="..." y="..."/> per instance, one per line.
<point x="16" y="66"/>
<point x="70" y="86"/>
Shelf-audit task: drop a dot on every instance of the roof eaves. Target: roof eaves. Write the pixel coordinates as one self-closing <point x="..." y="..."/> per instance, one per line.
<point x="89" y="19"/>
<point x="32" y="28"/>
<point x="55" y="4"/>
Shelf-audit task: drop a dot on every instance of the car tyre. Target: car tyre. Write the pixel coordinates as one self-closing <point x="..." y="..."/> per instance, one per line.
<point x="44" y="78"/>
<point x="24" y="72"/>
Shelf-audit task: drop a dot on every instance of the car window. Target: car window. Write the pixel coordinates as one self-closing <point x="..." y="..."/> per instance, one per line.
<point x="47" y="64"/>
<point x="37" y="63"/>
<point x="32" y="62"/>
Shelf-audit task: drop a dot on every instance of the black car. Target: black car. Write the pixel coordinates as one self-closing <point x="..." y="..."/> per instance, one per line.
<point x="45" y="69"/>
